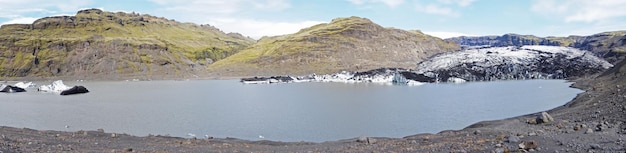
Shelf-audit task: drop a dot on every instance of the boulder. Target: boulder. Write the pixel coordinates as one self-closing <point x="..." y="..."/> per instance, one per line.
<point x="512" y="139"/>
<point x="595" y="146"/>
<point x="477" y="132"/>
<point x="75" y="90"/>
<point x="532" y="121"/>
<point x="589" y="131"/>
<point x="544" y="117"/>
<point x="528" y="145"/>
<point x="371" y="140"/>
<point x="362" y="139"/>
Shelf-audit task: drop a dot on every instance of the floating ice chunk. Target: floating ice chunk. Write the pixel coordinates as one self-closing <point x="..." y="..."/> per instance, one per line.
<point x="25" y="85"/>
<point x="414" y="83"/>
<point x="56" y="86"/>
<point x="382" y="79"/>
<point x="10" y="89"/>
<point x="456" y="80"/>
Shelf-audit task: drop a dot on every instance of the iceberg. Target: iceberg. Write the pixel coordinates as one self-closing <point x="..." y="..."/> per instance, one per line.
<point x="25" y="85"/>
<point x="267" y="80"/>
<point x="456" y="80"/>
<point x="56" y="86"/>
<point x="11" y="89"/>
<point x="414" y="83"/>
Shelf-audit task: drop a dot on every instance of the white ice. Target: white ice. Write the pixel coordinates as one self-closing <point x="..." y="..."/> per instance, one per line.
<point x="56" y="86"/>
<point x="24" y="85"/>
<point x="487" y="57"/>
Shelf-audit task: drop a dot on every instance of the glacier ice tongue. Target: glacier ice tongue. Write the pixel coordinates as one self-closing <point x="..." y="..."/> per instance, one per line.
<point x="513" y="62"/>
<point x="478" y="64"/>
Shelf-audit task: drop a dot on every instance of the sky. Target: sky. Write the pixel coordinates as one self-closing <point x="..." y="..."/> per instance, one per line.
<point x="441" y="18"/>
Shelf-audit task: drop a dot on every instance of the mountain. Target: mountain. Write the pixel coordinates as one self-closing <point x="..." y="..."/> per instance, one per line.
<point x="351" y="44"/>
<point x="609" y="45"/>
<point x="108" y="45"/>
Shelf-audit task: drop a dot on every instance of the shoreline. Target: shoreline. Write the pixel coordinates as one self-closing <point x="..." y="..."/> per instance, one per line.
<point x="587" y="108"/>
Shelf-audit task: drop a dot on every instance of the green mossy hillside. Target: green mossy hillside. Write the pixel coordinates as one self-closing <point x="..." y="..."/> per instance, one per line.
<point x="96" y="43"/>
<point x="351" y="44"/>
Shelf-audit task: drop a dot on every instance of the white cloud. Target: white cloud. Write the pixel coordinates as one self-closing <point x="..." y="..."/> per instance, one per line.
<point x="594" y="29"/>
<point x="445" y="35"/>
<point x="15" y="11"/>
<point x="390" y="3"/>
<point x="581" y="10"/>
<point x="225" y="15"/>
<point x="461" y="3"/>
<point x="257" y="28"/>
<point x="222" y="6"/>
<point x="200" y="6"/>
<point x="438" y="10"/>
<point x="46" y="6"/>
<point x="443" y="7"/>
<point x="357" y="2"/>
<point x="24" y="20"/>
<point x="272" y="5"/>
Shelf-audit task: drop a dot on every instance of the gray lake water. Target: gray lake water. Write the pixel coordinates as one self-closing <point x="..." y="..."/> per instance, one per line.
<point x="283" y="112"/>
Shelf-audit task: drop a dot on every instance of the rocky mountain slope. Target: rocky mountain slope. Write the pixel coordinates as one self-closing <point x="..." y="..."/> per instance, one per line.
<point x="108" y="45"/>
<point x="352" y="44"/>
<point x="608" y="45"/>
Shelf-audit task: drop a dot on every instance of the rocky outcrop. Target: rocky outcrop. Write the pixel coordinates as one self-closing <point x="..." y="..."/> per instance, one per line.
<point x="344" y="44"/>
<point x="109" y="45"/>
<point x="75" y="90"/>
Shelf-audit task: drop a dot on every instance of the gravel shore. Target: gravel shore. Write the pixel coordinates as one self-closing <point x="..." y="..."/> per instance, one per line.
<point x="592" y="122"/>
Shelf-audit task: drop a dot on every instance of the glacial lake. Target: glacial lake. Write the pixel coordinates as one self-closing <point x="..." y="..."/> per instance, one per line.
<point x="314" y="112"/>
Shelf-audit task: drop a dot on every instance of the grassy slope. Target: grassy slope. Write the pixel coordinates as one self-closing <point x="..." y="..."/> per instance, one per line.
<point x="56" y="39"/>
<point x="344" y="44"/>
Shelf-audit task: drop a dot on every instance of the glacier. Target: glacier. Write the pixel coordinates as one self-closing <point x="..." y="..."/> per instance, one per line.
<point x="480" y="63"/>
<point x="512" y="63"/>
